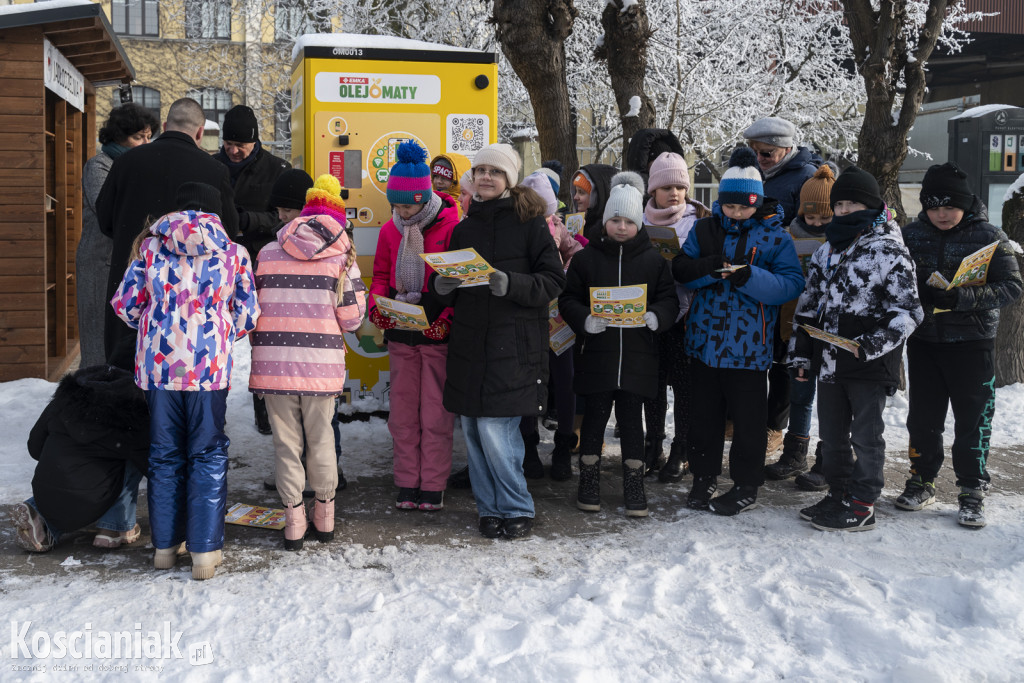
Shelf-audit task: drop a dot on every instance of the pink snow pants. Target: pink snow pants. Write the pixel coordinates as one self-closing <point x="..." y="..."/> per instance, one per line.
<point x="420" y="426"/>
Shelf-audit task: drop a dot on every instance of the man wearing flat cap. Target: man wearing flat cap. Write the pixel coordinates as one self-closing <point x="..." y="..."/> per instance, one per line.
<point x="786" y="167"/>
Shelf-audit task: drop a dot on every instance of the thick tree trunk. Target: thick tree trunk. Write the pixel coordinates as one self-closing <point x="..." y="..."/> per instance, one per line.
<point x="532" y="34"/>
<point x="626" y="35"/>
<point x="1010" y="337"/>
<point x="883" y="55"/>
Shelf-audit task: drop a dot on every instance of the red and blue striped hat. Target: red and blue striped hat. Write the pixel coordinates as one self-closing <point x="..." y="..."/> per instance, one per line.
<point x="409" y="180"/>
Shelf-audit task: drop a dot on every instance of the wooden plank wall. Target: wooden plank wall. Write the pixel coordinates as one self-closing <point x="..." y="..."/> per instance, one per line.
<point x="22" y="237"/>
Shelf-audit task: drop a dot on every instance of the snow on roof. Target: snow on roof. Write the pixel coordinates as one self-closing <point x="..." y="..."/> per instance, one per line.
<point x="211" y="125"/>
<point x="975" y="112"/>
<point x="36" y="6"/>
<point x="525" y="133"/>
<point x="375" y="42"/>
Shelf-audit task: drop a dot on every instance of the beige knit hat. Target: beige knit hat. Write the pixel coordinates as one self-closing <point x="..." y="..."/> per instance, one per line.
<point x="501" y="156"/>
<point x="626" y="199"/>
<point x="814" y="195"/>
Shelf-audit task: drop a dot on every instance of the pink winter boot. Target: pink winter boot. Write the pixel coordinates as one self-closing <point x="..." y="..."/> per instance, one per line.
<point x="323" y="520"/>
<point x="295" y="526"/>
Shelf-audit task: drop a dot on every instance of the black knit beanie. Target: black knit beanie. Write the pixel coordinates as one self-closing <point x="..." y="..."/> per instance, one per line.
<point x="946" y="185"/>
<point x="857" y="185"/>
<point x="240" y="125"/>
<point x="289" y="191"/>
<point x="193" y="196"/>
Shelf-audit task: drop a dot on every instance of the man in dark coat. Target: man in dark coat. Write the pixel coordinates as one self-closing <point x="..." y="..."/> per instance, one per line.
<point x="253" y="171"/>
<point x="92" y="444"/>
<point x="141" y="187"/>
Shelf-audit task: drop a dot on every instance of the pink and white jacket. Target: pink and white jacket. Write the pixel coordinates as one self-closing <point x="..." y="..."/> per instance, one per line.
<point x="190" y="295"/>
<point x="310" y="294"/>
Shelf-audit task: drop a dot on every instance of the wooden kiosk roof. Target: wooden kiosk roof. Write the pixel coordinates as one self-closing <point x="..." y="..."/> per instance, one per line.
<point x="80" y="30"/>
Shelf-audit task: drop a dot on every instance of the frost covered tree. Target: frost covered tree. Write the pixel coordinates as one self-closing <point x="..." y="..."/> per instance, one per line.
<point x="624" y="46"/>
<point x="892" y="41"/>
<point x="1009" y="349"/>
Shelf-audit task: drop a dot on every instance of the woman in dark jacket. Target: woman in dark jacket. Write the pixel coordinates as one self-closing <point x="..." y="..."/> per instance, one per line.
<point x="951" y="354"/>
<point x="497" y="369"/>
<point x="92" y="444"/>
<point x="620" y="365"/>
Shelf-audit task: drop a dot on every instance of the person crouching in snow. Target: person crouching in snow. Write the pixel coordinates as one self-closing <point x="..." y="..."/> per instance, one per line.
<point x="92" y="444"/>
<point x="861" y="285"/>
<point x="311" y="294"/>
<point x="617" y="366"/>
<point x="742" y="266"/>
<point x="189" y="292"/>
<point x="421" y="429"/>
<point x="951" y="355"/>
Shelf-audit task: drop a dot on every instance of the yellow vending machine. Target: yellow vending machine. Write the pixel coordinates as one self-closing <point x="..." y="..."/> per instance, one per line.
<point x="355" y="98"/>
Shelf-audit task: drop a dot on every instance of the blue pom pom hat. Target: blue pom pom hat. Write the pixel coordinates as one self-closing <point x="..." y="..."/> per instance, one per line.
<point x="741" y="183"/>
<point x="409" y="180"/>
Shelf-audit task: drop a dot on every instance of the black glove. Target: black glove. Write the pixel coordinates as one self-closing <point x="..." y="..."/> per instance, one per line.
<point x="926" y="295"/>
<point x="243" y="219"/>
<point x="738" y="278"/>
<point x="945" y="298"/>
<point x="707" y="265"/>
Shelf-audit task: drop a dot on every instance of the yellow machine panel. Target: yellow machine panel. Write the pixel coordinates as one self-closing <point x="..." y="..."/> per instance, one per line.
<point x="354" y="100"/>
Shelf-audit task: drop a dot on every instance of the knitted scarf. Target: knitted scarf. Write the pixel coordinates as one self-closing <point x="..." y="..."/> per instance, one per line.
<point x="667" y="216"/>
<point x="843" y="230"/>
<point x="409" y="267"/>
<point x="777" y="168"/>
<point x="113" y="150"/>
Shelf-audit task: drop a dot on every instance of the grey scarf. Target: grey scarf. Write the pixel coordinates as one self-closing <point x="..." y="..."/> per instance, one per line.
<point x="777" y="168"/>
<point x="409" y="267"/>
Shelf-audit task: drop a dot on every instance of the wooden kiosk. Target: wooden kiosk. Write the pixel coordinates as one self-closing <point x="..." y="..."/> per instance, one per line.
<point x="52" y="57"/>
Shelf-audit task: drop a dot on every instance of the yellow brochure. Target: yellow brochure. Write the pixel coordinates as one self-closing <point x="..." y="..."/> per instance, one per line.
<point x="408" y="316"/>
<point x="464" y="264"/>
<point x="622" y="306"/>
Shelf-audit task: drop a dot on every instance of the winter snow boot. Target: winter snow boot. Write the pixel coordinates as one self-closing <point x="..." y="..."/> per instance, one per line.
<point x="654" y="453"/>
<point x="774" y="442"/>
<point x="31" y="531"/>
<point x="675" y="468"/>
<point x="323" y="520"/>
<point x="166" y="558"/>
<point x="295" y="526"/>
<point x="431" y="501"/>
<point x="916" y="494"/>
<point x="460" y="479"/>
<point x="793" y="460"/>
<point x="633" y="488"/>
<point x="815" y="479"/>
<point x="701" y="491"/>
<point x="204" y="565"/>
<point x="561" y="456"/>
<point x="533" y="468"/>
<point x="832" y="501"/>
<point x="972" y="507"/>
<point x="850" y="515"/>
<point x="517" y="527"/>
<point x="588" y="496"/>
<point x="490" y="527"/>
<point x="408" y="499"/>
<point x="734" y="501"/>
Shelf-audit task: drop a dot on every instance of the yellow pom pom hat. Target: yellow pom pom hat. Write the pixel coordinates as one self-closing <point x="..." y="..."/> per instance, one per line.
<point x="324" y="199"/>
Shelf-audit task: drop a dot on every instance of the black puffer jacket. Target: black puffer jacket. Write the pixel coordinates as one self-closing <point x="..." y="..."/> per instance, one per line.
<point x="601" y="178"/>
<point x="98" y="419"/>
<point x="976" y="314"/>
<point x="498" y="347"/>
<point x="619" y="358"/>
<point x="257" y="222"/>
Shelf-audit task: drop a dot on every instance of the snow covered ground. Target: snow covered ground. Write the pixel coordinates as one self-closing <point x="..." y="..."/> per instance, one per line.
<point x="683" y="596"/>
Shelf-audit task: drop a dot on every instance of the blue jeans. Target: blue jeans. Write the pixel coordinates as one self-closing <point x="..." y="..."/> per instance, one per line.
<point x="120" y="516"/>
<point x="495" y="454"/>
<point x="801" y="404"/>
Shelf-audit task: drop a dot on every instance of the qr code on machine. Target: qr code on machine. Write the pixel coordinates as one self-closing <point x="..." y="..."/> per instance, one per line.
<point x="467" y="133"/>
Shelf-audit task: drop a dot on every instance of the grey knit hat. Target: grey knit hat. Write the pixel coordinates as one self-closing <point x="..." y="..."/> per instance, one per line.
<point x="772" y="130"/>
<point x="626" y="199"/>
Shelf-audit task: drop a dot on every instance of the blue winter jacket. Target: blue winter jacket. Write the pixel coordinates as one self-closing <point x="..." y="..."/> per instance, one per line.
<point x="783" y="184"/>
<point x="728" y="326"/>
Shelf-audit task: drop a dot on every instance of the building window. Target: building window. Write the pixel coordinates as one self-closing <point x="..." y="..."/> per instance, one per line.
<point x="147" y="98"/>
<point x="208" y="19"/>
<point x="136" y="17"/>
<point x="291" y="19"/>
<point x="214" y="101"/>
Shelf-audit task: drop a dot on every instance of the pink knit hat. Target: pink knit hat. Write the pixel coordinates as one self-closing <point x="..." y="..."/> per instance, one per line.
<point x="668" y="169"/>
<point x="539" y="183"/>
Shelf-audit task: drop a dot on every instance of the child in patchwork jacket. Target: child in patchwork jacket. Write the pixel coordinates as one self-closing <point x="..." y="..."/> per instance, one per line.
<point x="311" y="294"/>
<point x="861" y="285"/>
<point x="189" y="292"/>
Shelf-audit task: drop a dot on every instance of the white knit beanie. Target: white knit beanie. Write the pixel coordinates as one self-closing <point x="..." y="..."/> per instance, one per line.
<point x="501" y="156"/>
<point x="626" y="199"/>
<point x="538" y="182"/>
